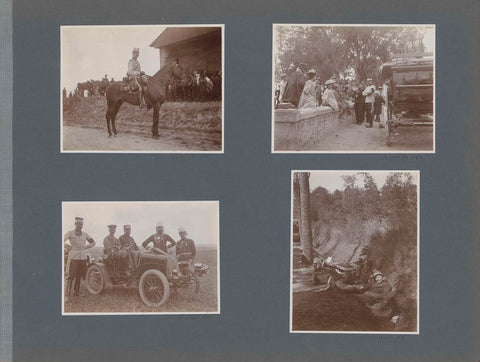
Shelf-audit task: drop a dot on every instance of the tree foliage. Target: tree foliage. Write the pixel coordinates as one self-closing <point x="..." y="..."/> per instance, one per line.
<point x="334" y="50"/>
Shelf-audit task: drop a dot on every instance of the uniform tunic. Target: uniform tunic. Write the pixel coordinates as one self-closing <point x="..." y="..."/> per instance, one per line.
<point x="186" y="246"/>
<point x="110" y="243"/>
<point x="78" y="244"/>
<point x="159" y="241"/>
<point x="134" y="68"/>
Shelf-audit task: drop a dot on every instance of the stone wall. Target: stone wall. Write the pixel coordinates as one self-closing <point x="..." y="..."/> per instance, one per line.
<point x="302" y="130"/>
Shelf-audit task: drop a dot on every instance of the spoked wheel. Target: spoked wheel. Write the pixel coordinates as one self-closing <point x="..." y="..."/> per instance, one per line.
<point x="154" y="288"/>
<point x="323" y="280"/>
<point x="189" y="287"/>
<point x="95" y="281"/>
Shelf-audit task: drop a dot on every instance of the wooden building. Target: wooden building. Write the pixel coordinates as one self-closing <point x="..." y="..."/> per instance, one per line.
<point x="196" y="48"/>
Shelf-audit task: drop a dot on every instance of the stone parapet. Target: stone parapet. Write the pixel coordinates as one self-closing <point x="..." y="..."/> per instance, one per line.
<point x="303" y="129"/>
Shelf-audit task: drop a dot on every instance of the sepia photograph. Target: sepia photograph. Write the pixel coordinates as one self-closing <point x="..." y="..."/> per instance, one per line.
<point x="353" y="88"/>
<point x="140" y="257"/>
<point x="142" y="88"/>
<point x="355" y="252"/>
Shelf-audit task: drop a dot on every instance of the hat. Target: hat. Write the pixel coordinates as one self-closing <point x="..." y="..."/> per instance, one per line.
<point x="159" y="224"/>
<point x="181" y="229"/>
<point x="135" y="50"/>
<point x="79" y="220"/>
<point x="111" y="226"/>
<point x="303" y="65"/>
<point x="329" y="82"/>
<point x="312" y="71"/>
<point x="376" y="272"/>
<point x="127" y="226"/>
<point x="369" y="79"/>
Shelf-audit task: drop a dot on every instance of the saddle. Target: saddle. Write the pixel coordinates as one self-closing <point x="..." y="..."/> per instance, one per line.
<point x="129" y="85"/>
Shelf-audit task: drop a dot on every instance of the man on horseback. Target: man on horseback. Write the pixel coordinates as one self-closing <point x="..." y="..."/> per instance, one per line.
<point x="135" y="73"/>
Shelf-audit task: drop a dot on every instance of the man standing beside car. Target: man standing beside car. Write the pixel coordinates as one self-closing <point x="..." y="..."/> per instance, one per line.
<point x="185" y="245"/>
<point x="159" y="239"/>
<point x="79" y="242"/>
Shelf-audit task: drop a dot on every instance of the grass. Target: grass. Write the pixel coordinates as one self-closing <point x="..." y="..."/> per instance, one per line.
<point x="194" y="116"/>
<point x="119" y="299"/>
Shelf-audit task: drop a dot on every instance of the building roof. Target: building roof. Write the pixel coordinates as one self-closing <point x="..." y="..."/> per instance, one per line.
<point x="174" y="35"/>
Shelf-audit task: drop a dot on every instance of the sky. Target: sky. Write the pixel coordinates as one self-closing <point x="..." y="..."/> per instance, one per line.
<point x="332" y="180"/>
<point x="90" y="52"/>
<point x="200" y="218"/>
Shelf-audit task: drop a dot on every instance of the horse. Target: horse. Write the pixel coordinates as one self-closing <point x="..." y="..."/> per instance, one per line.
<point x="154" y="93"/>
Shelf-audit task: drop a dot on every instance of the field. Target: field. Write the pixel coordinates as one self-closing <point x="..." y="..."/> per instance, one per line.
<point x="127" y="300"/>
<point x="182" y="125"/>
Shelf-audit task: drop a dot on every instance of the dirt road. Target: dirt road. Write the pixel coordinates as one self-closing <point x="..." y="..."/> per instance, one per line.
<point x="78" y="138"/>
<point x="360" y="138"/>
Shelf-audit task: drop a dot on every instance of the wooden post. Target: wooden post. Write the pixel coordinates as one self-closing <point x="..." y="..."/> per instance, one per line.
<point x="305" y="225"/>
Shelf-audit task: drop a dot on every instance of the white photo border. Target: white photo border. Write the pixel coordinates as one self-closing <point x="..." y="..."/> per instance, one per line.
<point x="272" y="140"/>
<point x="417" y="332"/>
<point x="217" y="312"/>
<point x="222" y="26"/>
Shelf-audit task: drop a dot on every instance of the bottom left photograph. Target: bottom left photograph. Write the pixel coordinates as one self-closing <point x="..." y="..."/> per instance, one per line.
<point x="156" y="257"/>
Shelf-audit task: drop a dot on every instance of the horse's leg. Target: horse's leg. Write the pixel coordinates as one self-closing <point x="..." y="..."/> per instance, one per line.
<point x="156" y="114"/>
<point x="113" y="114"/>
<point x="108" y="117"/>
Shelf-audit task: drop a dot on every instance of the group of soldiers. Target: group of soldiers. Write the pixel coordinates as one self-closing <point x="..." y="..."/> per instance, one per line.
<point x="197" y="86"/>
<point x="300" y="89"/>
<point x="125" y="246"/>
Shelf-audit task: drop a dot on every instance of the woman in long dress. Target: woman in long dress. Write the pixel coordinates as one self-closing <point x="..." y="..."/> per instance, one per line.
<point x="308" y="99"/>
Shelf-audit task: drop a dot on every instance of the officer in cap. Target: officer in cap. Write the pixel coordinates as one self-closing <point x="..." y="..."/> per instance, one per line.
<point x="128" y="243"/>
<point x="134" y="73"/>
<point x="185" y="245"/>
<point x="110" y="242"/>
<point x="159" y="239"/>
<point x="79" y="241"/>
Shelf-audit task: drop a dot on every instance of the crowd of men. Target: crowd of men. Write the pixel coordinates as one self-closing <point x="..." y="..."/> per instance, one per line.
<point x="76" y="255"/>
<point x="300" y="88"/>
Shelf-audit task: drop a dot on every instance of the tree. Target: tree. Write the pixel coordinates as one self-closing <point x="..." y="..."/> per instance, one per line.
<point x="305" y="222"/>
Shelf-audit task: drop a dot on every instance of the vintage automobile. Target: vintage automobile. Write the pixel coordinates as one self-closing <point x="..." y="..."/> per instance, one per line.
<point x="155" y="273"/>
<point x="408" y="90"/>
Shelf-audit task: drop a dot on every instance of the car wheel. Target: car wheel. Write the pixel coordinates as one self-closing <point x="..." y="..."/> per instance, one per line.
<point x="95" y="281"/>
<point x="154" y="288"/>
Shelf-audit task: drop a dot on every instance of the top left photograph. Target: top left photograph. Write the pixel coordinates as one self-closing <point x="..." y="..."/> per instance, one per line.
<point x="142" y="89"/>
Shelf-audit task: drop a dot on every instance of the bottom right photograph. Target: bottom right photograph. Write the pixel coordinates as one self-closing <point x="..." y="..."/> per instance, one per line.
<point x="355" y="252"/>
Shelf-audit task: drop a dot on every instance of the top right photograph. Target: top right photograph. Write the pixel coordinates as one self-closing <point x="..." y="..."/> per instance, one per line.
<point x="353" y="88"/>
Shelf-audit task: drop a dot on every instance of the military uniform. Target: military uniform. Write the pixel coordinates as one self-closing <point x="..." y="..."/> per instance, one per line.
<point x="186" y="246"/>
<point x="133" y="252"/>
<point x="77" y="256"/>
<point x="109" y="244"/>
<point x="159" y="241"/>
<point x="134" y="68"/>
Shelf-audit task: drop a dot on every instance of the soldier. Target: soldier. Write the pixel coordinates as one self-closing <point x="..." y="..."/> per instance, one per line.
<point x="79" y="242"/>
<point x="134" y="73"/>
<point x="185" y="245"/>
<point x="159" y="239"/>
<point x="110" y="242"/>
<point x="127" y="242"/>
